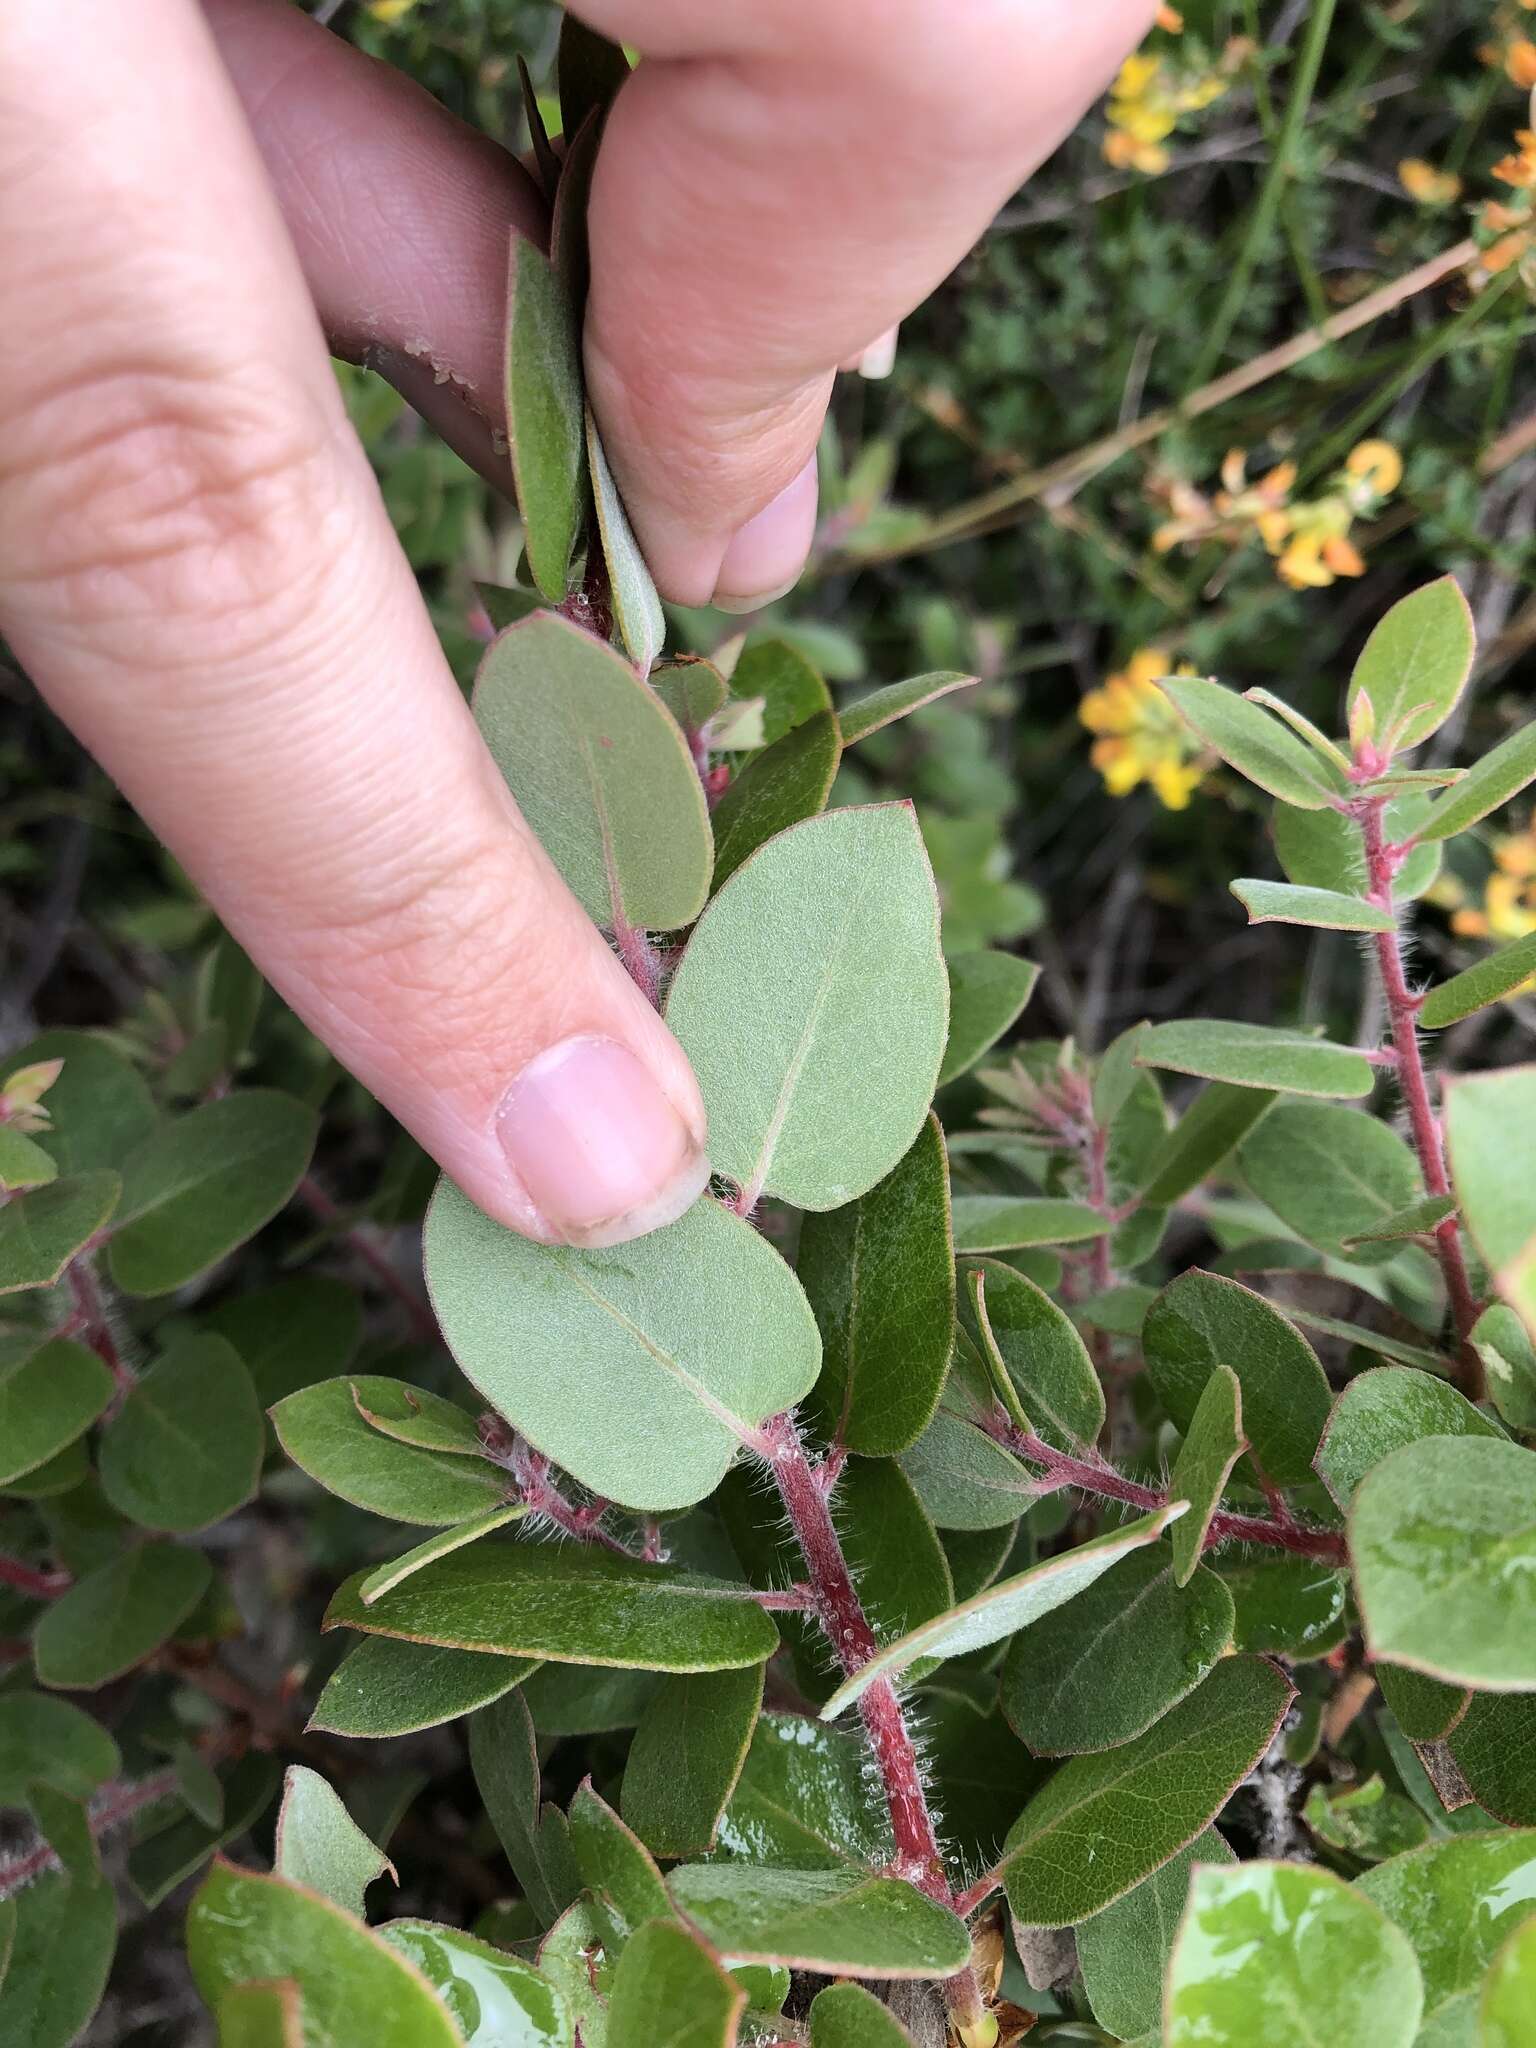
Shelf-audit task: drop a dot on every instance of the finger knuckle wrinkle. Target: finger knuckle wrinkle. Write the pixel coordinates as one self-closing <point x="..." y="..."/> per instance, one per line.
<point x="142" y="492"/>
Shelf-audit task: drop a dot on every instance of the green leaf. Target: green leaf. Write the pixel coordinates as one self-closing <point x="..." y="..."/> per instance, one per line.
<point x="590" y="70"/>
<point x="1285" y="1606"/>
<point x="545" y="413"/>
<point x="48" y="1397"/>
<point x="60" y="1953"/>
<point x="1424" y="1708"/>
<point x="577" y="1956"/>
<point x="1489" y="1120"/>
<point x="841" y="1923"/>
<point x="262" y="2016"/>
<point x="686" y="1758"/>
<point x="1218" y="1119"/>
<point x="589" y="1699"/>
<point x="1100" y="1670"/>
<point x="1103" y="1823"/>
<point x="1509" y="1993"/>
<point x="880" y="708"/>
<point x="506" y="1768"/>
<point x="413" y="1415"/>
<point x="1006" y="1223"/>
<point x="325" y="1435"/>
<point x="1256" y="1056"/>
<point x="1415" y="664"/>
<point x="198" y="1785"/>
<point x="1123" y="1952"/>
<point x="387" y="1576"/>
<point x="1034" y="1348"/>
<point x="63" y="1825"/>
<point x="41" y="1231"/>
<point x="575" y="1606"/>
<point x="1494" y="1743"/>
<point x="1329" y="1173"/>
<point x="692" y="689"/>
<point x="1270" y="1952"/>
<point x="689" y="1337"/>
<point x="986" y="993"/>
<point x="292" y="1334"/>
<point x="636" y="608"/>
<point x="23" y="1164"/>
<point x="1444" y="1547"/>
<point x="243" y="1927"/>
<point x="600" y="771"/>
<point x="778" y="787"/>
<point x="1364" y="1821"/>
<point x="204" y="1184"/>
<point x="497" y="2000"/>
<point x="1322" y="909"/>
<point x="1380" y="1411"/>
<point x="100" y="1105"/>
<point x="1325" y="849"/>
<point x="615" y="1863"/>
<point x="1487" y="784"/>
<point x="383" y="1687"/>
<point x="848" y="2016"/>
<point x="1456" y="1901"/>
<point x="170" y="1856"/>
<point x="320" y="1846"/>
<point x="1504" y="1345"/>
<point x="1212" y="1446"/>
<point x="965" y="1480"/>
<point x="790" y="689"/>
<point x="46" y="1741"/>
<point x="813" y="1004"/>
<point x="880" y="1277"/>
<point x="1009" y="1604"/>
<point x="1254" y="743"/>
<point x="670" y="1992"/>
<point x="119" y="1615"/>
<point x="803" y="1800"/>
<point x="506" y="607"/>
<point x="1489" y="981"/>
<point x="1418" y="1219"/>
<point x="186" y="1447"/>
<point x="1201" y="1321"/>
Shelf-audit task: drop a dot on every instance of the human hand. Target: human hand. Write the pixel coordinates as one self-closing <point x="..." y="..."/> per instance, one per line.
<point x="198" y="571"/>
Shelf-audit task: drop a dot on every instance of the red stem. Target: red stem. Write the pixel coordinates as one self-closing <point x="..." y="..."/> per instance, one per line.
<point x="1088" y="1476"/>
<point x="30" y="1578"/>
<point x="115" y="1805"/>
<point x="1403" y="1010"/>
<point x="320" y="1206"/>
<point x="641" y="960"/>
<point x="91" y="1310"/>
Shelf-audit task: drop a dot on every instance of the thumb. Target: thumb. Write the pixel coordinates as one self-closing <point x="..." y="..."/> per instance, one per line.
<point x="197" y="569"/>
<point x="777" y="187"/>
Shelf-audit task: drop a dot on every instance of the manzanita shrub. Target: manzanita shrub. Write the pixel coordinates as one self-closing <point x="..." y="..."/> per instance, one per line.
<point x="976" y="1616"/>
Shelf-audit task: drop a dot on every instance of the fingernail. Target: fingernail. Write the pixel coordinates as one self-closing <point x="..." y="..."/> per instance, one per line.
<point x="879" y="359"/>
<point x="599" y="1147"/>
<point x="768" y="553"/>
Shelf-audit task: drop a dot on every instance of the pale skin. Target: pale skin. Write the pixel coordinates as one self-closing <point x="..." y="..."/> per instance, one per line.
<point x="197" y="569"/>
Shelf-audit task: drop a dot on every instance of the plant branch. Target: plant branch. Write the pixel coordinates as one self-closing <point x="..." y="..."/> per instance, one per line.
<point x="842" y="1616"/>
<point x="358" y="1242"/>
<point x="116" y="1804"/>
<point x="1090" y="1475"/>
<point x="1403" y="1011"/>
<point x="33" y="1579"/>
<point x="91" y="1320"/>
<point x="980" y="514"/>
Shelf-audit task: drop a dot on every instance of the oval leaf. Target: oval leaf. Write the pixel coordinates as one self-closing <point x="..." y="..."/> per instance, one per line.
<point x="986" y="993"/>
<point x="1486" y="785"/>
<point x="686" y="1757"/>
<point x="384" y="1687"/>
<point x="1457" y="1902"/>
<point x="48" y="1397"/>
<point x="1255" y="744"/>
<point x="323" y="1431"/>
<point x="1329" y="1173"/>
<point x="1255" y="1056"/>
<point x="545" y="414"/>
<point x="118" y="1616"/>
<point x="1415" y="664"/>
<point x="1210" y="1449"/>
<point x="844" y="1923"/>
<point x="600" y="770"/>
<point x="786" y="782"/>
<point x="689" y="1337"/>
<point x="1476" y="987"/>
<point x="813" y="1004"/>
<point x="42" y="1230"/>
<point x="185" y="1449"/>
<point x="664" y="1970"/>
<point x="1323" y="909"/>
<point x="1380" y="1411"/>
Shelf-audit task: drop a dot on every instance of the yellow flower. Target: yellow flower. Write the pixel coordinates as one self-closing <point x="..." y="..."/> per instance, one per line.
<point x="1520" y="62"/>
<point x="1509" y="895"/>
<point x="390" y="10"/>
<point x="1421" y="181"/>
<point x="1377" y="464"/>
<point x="1141" y="737"/>
<point x="1149" y="97"/>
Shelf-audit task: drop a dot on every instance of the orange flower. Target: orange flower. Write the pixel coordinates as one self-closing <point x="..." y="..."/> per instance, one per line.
<point x="1520" y="62"/>
<point x="1421" y="181"/>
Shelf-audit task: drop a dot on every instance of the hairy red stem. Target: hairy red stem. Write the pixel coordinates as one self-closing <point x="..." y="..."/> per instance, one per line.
<point x="31" y="1578"/>
<point x="1088" y="1476"/>
<point x="841" y="1614"/>
<point x="1403" y="1010"/>
<point x="91" y="1310"/>
<point x="115" y="1805"/>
